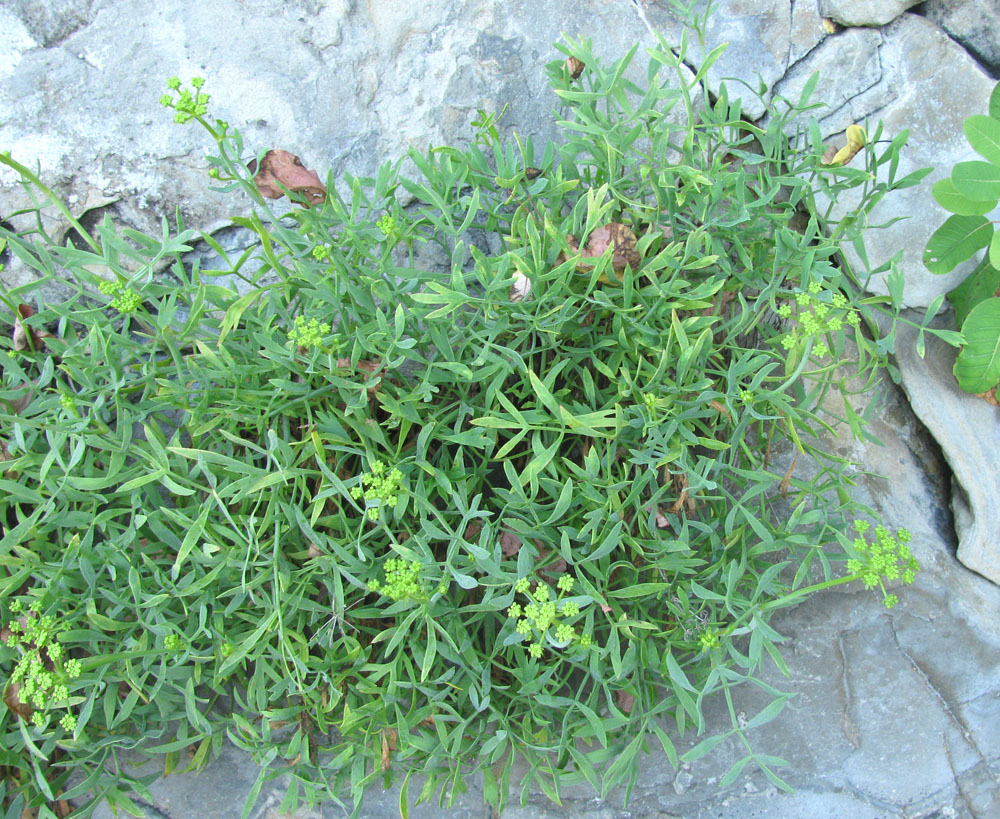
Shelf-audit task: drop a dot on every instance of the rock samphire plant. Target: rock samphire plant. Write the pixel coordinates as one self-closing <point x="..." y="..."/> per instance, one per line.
<point x="969" y="194"/>
<point x="518" y="514"/>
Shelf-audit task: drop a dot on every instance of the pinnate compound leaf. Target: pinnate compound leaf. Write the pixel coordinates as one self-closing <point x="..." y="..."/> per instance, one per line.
<point x="977" y="180"/>
<point x="995" y="102"/>
<point x="955" y="241"/>
<point x="947" y="196"/>
<point x="977" y="367"/>
<point x="983" y="133"/>
<point x="981" y="284"/>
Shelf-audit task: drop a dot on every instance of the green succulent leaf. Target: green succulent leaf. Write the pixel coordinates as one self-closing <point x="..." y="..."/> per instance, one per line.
<point x="977" y="180"/>
<point x="955" y="241"/>
<point x="983" y="133"/>
<point x="977" y="367"/>
<point x="947" y="196"/>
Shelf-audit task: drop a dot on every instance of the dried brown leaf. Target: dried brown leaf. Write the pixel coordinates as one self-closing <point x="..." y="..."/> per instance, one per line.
<point x="575" y="67"/>
<point x="22" y="332"/>
<point x="990" y="397"/>
<point x="279" y="168"/>
<point x="661" y="520"/>
<point x="388" y="746"/>
<point x="787" y="480"/>
<point x="12" y="699"/>
<point x="510" y="544"/>
<point x="624" y="700"/>
<point x="720" y="408"/>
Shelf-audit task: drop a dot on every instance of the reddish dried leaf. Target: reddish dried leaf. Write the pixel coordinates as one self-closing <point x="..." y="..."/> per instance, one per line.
<point x="510" y="544"/>
<point x="280" y="167"/>
<point x="472" y="530"/>
<point x="787" y="480"/>
<point x="614" y="235"/>
<point x="624" y="700"/>
<point x="22" y="332"/>
<point x="12" y="699"/>
<point x="388" y="746"/>
<point x="605" y="608"/>
<point x="314" y="550"/>
<point x="661" y="519"/>
<point x="720" y="408"/>
<point x="369" y="366"/>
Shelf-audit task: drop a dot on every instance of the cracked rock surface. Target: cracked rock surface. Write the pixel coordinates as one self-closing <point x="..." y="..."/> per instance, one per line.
<point x="897" y="713"/>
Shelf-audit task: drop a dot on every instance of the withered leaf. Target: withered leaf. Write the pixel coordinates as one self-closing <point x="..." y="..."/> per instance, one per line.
<point x="369" y="366"/>
<point x="12" y="699"/>
<point x="990" y="397"/>
<point x="510" y="544"/>
<point x="624" y="700"/>
<point x="280" y="167"/>
<point x="615" y="235"/>
<point x="388" y="746"/>
<point x="575" y="67"/>
<point x="520" y="289"/>
<point x="787" y="480"/>
<point x="856" y="138"/>
<point x="22" y="332"/>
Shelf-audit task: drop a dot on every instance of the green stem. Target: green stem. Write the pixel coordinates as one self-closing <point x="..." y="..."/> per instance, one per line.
<point x="26" y="173"/>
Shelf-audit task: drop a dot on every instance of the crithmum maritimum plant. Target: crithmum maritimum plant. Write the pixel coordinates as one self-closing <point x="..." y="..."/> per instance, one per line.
<point x="519" y="516"/>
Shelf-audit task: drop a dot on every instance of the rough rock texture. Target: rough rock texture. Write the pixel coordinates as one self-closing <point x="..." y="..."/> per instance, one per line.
<point x="898" y="713"/>
<point x="968" y="431"/>
<point x="864" y="12"/>
<point x="911" y="77"/>
<point x="973" y="23"/>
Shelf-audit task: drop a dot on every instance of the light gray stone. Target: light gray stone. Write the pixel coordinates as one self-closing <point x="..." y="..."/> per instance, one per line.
<point x="928" y="86"/>
<point x="973" y="23"/>
<point x="764" y="38"/>
<point x="864" y="12"/>
<point x="968" y="430"/>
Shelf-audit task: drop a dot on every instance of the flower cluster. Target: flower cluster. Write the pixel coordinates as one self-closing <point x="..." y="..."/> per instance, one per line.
<point x="542" y="613"/>
<point x="307" y="333"/>
<point x="402" y="580"/>
<point x="387" y="225"/>
<point x="888" y="558"/>
<point x="190" y="102"/>
<point x="42" y="671"/>
<point x="378" y="488"/>
<point x="817" y="311"/>
<point x="124" y="299"/>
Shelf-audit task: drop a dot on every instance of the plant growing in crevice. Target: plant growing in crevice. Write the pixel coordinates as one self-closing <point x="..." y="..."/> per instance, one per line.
<point x="573" y="527"/>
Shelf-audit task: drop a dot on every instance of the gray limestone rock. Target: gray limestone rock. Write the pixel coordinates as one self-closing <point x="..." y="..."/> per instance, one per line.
<point x="927" y="85"/>
<point x="968" y="430"/>
<point x="864" y="12"/>
<point x="973" y="23"/>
